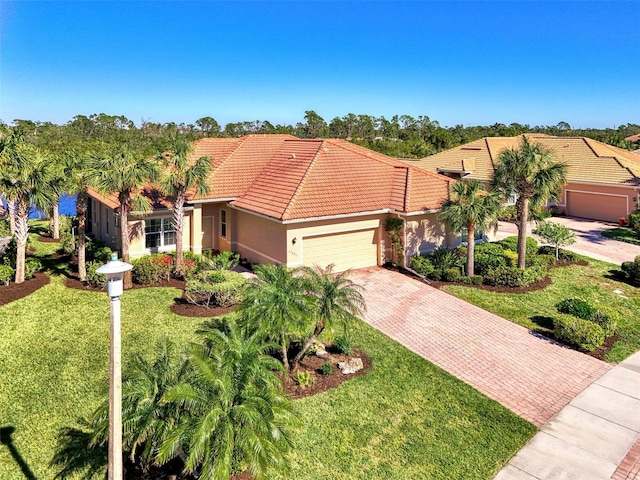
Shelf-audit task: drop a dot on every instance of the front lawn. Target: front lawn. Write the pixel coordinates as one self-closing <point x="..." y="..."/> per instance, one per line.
<point x="622" y="234"/>
<point x="593" y="283"/>
<point x="405" y="418"/>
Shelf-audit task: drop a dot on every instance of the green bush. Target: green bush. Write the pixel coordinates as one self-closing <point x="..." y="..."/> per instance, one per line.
<point x="452" y="275"/>
<point x="66" y="223"/>
<point x="31" y="267"/>
<point x="5" y="230"/>
<point x="344" y="345"/>
<point x="512" y="276"/>
<point x="579" y="332"/>
<point x="222" y="261"/>
<point x="305" y="379"/>
<point x="97" y="250"/>
<point x="607" y="319"/>
<point x="565" y="255"/>
<point x="631" y="270"/>
<point x="634" y="221"/>
<point x="545" y="260"/>
<point x="10" y="253"/>
<point x="485" y="261"/>
<point x="67" y="243"/>
<point x="327" y="368"/>
<point x="6" y="274"/>
<point x="511" y="243"/>
<point x="95" y="279"/>
<point x="215" y="287"/>
<point x="152" y="269"/>
<point x="472" y="280"/>
<point x="422" y="265"/>
<point x="576" y="307"/>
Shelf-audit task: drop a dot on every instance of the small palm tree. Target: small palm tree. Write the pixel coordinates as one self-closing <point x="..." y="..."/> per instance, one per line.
<point x="121" y="169"/>
<point x="337" y="301"/>
<point x="471" y="209"/>
<point x="236" y="411"/>
<point x="530" y="172"/>
<point x="180" y="177"/>
<point x="25" y="178"/>
<point x="276" y="304"/>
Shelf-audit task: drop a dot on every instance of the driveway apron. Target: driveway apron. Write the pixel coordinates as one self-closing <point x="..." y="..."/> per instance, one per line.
<point x="527" y="373"/>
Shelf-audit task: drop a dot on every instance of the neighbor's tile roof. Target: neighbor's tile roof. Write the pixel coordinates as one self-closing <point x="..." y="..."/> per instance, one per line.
<point x="587" y="160"/>
<point x="633" y="138"/>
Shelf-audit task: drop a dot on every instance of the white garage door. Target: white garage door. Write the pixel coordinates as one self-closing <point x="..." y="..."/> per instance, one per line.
<point x="597" y="207"/>
<point x="345" y="250"/>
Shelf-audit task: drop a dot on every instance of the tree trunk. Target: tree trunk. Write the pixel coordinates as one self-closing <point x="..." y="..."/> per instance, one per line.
<point x="55" y="219"/>
<point x="124" y="242"/>
<point x="471" y="245"/>
<point x="178" y="224"/>
<point x="81" y="213"/>
<point x="317" y="331"/>
<point x="11" y="209"/>
<point x="285" y="359"/>
<point x="21" y="235"/>
<point x="523" y="215"/>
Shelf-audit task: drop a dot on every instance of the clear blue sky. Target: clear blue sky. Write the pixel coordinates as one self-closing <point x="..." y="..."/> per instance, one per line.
<point x="457" y="62"/>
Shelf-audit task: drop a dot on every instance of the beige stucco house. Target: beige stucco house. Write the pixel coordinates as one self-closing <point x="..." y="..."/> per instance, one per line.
<point x="280" y="199"/>
<point x="603" y="181"/>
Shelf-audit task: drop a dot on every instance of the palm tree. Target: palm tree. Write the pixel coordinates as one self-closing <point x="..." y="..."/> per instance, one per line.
<point x="24" y="179"/>
<point x="236" y="411"/>
<point x="276" y="303"/>
<point x="472" y="209"/>
<point x="182" y="175"/>
<point x="123" y="170"/>
<point x="530" y="172"/>
<point x="337" y="301"/>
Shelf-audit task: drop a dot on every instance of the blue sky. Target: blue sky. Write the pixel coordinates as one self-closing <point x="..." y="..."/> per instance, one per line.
<point x="457" y="62"/>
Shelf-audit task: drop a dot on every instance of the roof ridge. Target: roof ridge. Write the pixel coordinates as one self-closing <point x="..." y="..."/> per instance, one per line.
<point x="302" y="181"/>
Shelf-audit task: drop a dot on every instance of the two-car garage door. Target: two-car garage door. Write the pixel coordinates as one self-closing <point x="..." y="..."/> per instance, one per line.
<point x="596" y="206"/>
<point x="358" y="249"/>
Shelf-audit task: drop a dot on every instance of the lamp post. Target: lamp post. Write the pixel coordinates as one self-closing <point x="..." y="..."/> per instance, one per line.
<point x="114" y="272"/>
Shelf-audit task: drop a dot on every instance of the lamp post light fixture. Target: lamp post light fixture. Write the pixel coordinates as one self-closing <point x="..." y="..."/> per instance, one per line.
<point x="114" y="272"/>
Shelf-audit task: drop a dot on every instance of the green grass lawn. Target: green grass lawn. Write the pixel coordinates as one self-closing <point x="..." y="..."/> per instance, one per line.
<point x="593" y="283"/>
<point x="622" y="234"/>
<point x="405" y="418"/>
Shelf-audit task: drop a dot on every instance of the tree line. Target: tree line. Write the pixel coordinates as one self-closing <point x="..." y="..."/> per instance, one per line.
<point x="402" y="136"/>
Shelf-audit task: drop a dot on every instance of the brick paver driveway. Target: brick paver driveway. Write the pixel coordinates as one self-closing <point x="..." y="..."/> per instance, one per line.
<point x="532" y="376"/>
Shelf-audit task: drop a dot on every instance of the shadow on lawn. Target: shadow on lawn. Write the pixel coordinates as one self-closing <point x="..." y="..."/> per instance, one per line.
<point x="54" y="264"/>
<point x="75" y="456"/>
<point x="5" y="439"/>
<point x="545" y="323"/>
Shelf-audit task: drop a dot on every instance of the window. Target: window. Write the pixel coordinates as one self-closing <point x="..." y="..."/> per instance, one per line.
<point x="223" y="223"/>
<point x="512" y="199"/>
<point x="159" y="232"/>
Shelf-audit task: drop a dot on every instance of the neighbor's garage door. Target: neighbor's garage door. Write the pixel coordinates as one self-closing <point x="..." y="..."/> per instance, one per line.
<point x="345" y="250"/>
<point x="597" y="207"/>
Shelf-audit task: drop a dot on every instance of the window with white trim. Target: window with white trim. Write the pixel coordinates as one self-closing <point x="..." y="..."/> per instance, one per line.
<point x="159" y="232"/>
<point x="223" y="223"/>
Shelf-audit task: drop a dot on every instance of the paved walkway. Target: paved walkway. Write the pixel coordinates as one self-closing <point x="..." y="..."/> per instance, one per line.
<point x="594" y="437"/>
<point x="531" y="375"/>
<point x="589" y="241"/>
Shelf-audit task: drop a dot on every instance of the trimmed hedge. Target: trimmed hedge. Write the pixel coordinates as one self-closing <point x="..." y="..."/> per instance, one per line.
<point x="562" y="254"/>
<point x="152" y="269"/>
<point x="607" y="319"/>
<point x="631" y="270"/>
<point x="215" y="288"/>
<point x="422" y="265"/>
<point x="531" y="249"/>
<point x="512" y="276"/>
<point x="576" y="307"/>
<point x="579" y="332"/>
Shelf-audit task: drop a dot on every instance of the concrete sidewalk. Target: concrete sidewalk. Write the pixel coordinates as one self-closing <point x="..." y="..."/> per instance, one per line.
<point x="596" y="436"/>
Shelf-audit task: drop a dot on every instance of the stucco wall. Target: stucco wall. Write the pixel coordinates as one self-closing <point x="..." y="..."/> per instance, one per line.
<point x="256" y="238"/>
<point x="424" y="234"/>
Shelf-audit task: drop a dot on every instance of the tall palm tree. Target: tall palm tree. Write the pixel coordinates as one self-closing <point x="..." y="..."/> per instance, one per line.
<point x="123" y="170"/>
<point x="24" y="179"/>
<point x="276" y="303"/>
<point x="470" y="208"/>
<point x="530" y="172"/>
<point x="337" y="301"/>
<point x="182" y="175"/>
<point x="237" y="413"/>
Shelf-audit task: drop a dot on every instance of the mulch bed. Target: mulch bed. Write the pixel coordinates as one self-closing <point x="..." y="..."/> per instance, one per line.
<point x="72" y="281"/>
<point x="48" y="239"/>
<point x="16" y="291"/>
<point x="186" y="309"/>
<point x="603" y="349"/>
<point x="323" y="383"/>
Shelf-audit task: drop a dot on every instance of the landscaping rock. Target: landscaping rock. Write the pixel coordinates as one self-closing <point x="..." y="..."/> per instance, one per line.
<point x="350" y="366"/>
<point x="321" y="350"/>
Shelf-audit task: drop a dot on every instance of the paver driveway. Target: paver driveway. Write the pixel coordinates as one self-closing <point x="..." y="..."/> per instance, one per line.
<point x="531" y="375"/>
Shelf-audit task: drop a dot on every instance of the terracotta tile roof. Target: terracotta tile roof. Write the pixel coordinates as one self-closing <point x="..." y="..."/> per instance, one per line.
<point x="587" y="160"/>
<point x="157" y="200"/>
<point x="633" y="138"/>
<point x="319" y="178"/>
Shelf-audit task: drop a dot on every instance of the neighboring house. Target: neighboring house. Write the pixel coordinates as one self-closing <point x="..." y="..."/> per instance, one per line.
<point x="279" y="199"/>
<point x="634" y="138"/>
<point x="603" y="181"/>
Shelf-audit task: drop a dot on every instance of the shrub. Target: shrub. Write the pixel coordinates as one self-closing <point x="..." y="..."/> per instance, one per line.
<point x="579" y="332"/>
<point x="305" y="379"/>
<point x="327" y="368"/>
<point x="67" y="243"/>
<point x="512" y="276"/>
<point x="634" y="221"/>
<point x="5" y="230"/>
<point x="189" y="268"/>
<point x="472" y="280"/>
<point x="508" y="214"/>
<point x="216" y="287"/>
<point x="576" y="307"/>
<point x="607" y="319"/>
<point x="492" y="248"/>
<point x="10" y="253"/>
<point x="344" y="345"/>
<point x="95" y="279"/>
<point x="6" y="274"/>
<point x="422" y="265"/>
<point x="545" y="260"/>
<point x="452" y="275"/>
<point x="222" y="261"/>
<point x="152" y="269"/>
<point x="485" y="261"/>
<point x="531" y="249"/>
<point x="97" y="250"/>
<point x="565" y="255"/>
<point x="31" y="267"/>
<point x="65" y="224"/>
<point x="631" y="270"/>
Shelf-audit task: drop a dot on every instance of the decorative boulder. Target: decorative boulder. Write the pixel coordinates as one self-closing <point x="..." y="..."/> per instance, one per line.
<point x="320" y="349"/>
<point x="351" y="366"/>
